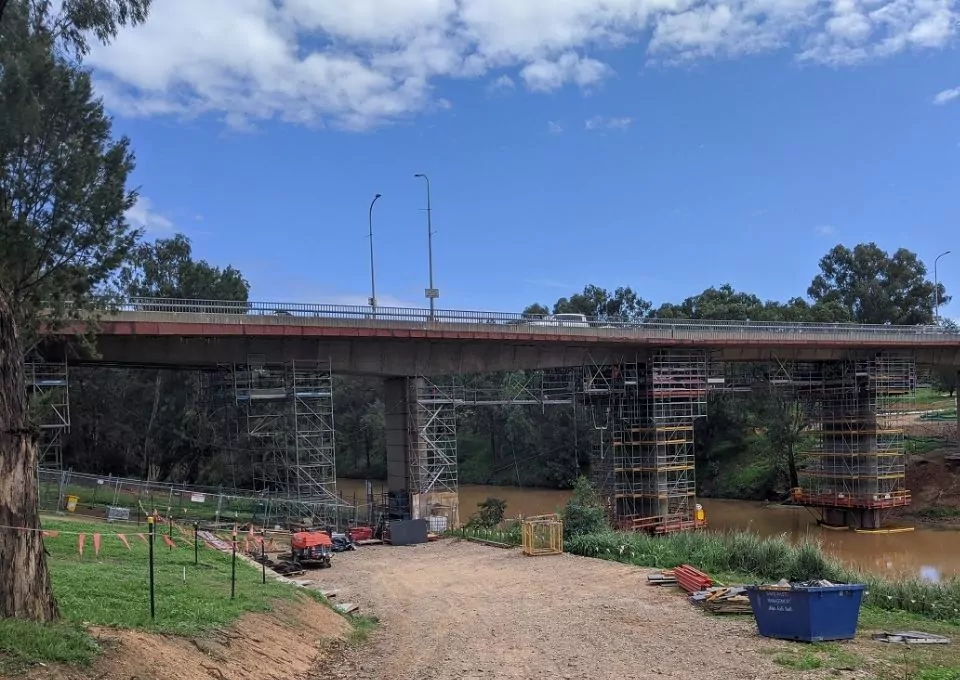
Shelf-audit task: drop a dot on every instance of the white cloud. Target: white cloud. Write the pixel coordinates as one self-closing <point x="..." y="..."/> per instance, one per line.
<point x="600" y="123"/>
<point x="545" y="75"/>
<point x="143" y="216"/>
<point x="502" y="84"/>
<point x="947" y="96"/>
<point x="360" y="63"/>
<point x="826" y="230"/>
<point x="554" y="128"/>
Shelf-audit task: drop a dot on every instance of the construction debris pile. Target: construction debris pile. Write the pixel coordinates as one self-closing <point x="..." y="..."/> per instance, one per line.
<point x="716" y="599"/>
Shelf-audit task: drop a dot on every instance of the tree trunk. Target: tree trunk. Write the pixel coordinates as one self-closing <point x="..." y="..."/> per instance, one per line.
<point x="25" y="591"/>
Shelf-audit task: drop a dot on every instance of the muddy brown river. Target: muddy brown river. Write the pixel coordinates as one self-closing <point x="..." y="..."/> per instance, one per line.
<point x="922" y="552"/>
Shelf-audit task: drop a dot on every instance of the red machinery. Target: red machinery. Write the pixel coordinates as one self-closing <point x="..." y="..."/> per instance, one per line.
<point x="311" y="548"/>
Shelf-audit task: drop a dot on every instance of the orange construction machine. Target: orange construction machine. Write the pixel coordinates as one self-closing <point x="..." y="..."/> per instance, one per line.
<point x="311" y="549"/>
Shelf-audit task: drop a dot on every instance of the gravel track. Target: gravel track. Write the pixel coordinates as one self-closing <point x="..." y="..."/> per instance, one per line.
<point x="454" y="609"/>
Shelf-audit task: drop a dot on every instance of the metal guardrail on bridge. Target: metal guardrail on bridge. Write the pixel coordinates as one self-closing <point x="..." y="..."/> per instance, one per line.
<point x="367" y="317"/>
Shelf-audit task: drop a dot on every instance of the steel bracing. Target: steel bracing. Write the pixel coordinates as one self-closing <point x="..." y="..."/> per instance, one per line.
<point x="644" y="411"/>
<point x="288" y="409"/>
<point x="854" y="455"/>
<point x="433" y="437"/>
<point x="48" y="383"/>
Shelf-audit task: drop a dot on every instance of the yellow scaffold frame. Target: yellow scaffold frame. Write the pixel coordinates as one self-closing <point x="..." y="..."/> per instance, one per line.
<point x="542" y="535"/>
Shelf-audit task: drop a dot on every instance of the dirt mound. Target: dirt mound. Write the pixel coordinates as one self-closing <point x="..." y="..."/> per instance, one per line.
<point x="285" y="643"/>
<point x="932" y="482"/>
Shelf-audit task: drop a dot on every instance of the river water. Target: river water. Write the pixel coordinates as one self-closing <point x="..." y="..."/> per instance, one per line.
<point x="926" y="552"/>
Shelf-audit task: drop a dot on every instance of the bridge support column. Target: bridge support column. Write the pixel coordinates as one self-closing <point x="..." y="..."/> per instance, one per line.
<point x="645" y="413"/>
<point x="855" y="472"/>
<point x="421" y="430"/>
<point x="397" y="412"/>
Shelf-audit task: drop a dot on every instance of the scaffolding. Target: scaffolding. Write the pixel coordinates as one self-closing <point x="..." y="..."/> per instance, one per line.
<point x="432" y="481"/>
<point x="433" y="436"/>
<point x="645" y="413"/>
<point x="48" y="384"/>
<point x="855" y="456"/>
<point x="288" y="409"/>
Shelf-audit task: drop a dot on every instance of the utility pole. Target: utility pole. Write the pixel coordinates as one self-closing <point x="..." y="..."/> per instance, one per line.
<point x="936" y="288"/>
<point x="431" y="293"/>
<point x="373" y="278"/>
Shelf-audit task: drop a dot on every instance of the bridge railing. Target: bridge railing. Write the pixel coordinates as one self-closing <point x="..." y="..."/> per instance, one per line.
<point x="365" y="316"/>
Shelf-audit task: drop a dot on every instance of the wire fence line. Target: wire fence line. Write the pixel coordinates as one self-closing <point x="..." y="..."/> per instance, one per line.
<point x="123" y="499"/>
<point x="364" y="316"/>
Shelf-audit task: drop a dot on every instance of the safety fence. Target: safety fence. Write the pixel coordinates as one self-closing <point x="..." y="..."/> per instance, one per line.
<point x="105" y="497"/>
<point x="166" y="571"/>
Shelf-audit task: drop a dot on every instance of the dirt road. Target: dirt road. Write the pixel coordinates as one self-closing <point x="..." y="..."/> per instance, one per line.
<point x="454" y="609"/>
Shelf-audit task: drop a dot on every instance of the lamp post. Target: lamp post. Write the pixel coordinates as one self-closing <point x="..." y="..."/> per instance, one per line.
<point x="373" y="279"/>
<point x="431" y="293"/>
<point x="936" y="288"/>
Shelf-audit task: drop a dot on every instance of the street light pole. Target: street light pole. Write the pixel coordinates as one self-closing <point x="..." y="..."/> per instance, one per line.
<point x="373" y="279"/>
<point x="431" y="292"/>
<point x="936" y="288"/>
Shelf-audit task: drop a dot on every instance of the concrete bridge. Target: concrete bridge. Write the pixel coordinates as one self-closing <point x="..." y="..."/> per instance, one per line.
<point x="644" y="383"/>
<point x="414" y="342"/>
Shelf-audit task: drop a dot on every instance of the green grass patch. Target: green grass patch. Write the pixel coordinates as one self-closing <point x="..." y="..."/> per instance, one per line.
<point x="112" y="589"/>
<point x="808" y="657"/>
<point x="920" y="445"/>
<point x="24" y="643"/>
<point x="363" y="626"/>
<point x="937" y="512"/>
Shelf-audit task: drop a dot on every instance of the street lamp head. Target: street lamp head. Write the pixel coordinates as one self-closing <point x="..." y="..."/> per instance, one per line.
<point x="419" y="174"/>
<point x="377" y="196"/>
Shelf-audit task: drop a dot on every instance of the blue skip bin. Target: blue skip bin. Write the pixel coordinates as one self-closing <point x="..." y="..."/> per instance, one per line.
<point x="807" y="613"/>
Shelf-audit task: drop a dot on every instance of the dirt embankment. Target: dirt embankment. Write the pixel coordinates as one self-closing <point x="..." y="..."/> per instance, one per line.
<point x="934" y="488"/>
<point x="292" y="641"/>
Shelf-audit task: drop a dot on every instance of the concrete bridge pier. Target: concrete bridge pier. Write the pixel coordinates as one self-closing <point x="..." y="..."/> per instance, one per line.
<point x="421" y="436"/>
<point x="397" y="411"/>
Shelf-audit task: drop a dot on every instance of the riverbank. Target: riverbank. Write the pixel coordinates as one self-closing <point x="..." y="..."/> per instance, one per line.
<point x="107" y="632"/>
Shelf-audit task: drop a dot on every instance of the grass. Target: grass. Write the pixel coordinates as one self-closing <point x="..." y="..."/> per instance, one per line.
<point x="363" y="626"/>
<point x="111" y="589"/>
<point x="939" y="512"/>
<point x="826" y="655"/>
<point x="189" y="599"/>
<point x="24" y="643"/>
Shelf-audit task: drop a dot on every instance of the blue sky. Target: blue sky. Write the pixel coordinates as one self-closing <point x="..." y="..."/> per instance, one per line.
<point x="706" y="144"/>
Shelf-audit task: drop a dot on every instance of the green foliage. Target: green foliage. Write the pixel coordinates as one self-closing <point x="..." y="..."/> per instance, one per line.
<point x="876" y="287"/>
<point x="491" y="513"/>
<point x="63" y="179"/>
<point x="165" y="268"/>
<point x="510" y="533"/>
<point x="583" y="513"/>
<point x="623" y="304"/>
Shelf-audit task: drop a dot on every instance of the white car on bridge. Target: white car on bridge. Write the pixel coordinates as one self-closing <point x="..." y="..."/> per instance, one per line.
<point x="569" y="320"/>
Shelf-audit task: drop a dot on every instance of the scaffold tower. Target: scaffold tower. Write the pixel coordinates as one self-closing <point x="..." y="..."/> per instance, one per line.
<point x="645" y="412"/>
<point x="48" y="384"/>
<point x="853" y="464"/>
<point x="288" y="409"/>
<point x="433" y="436"/>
